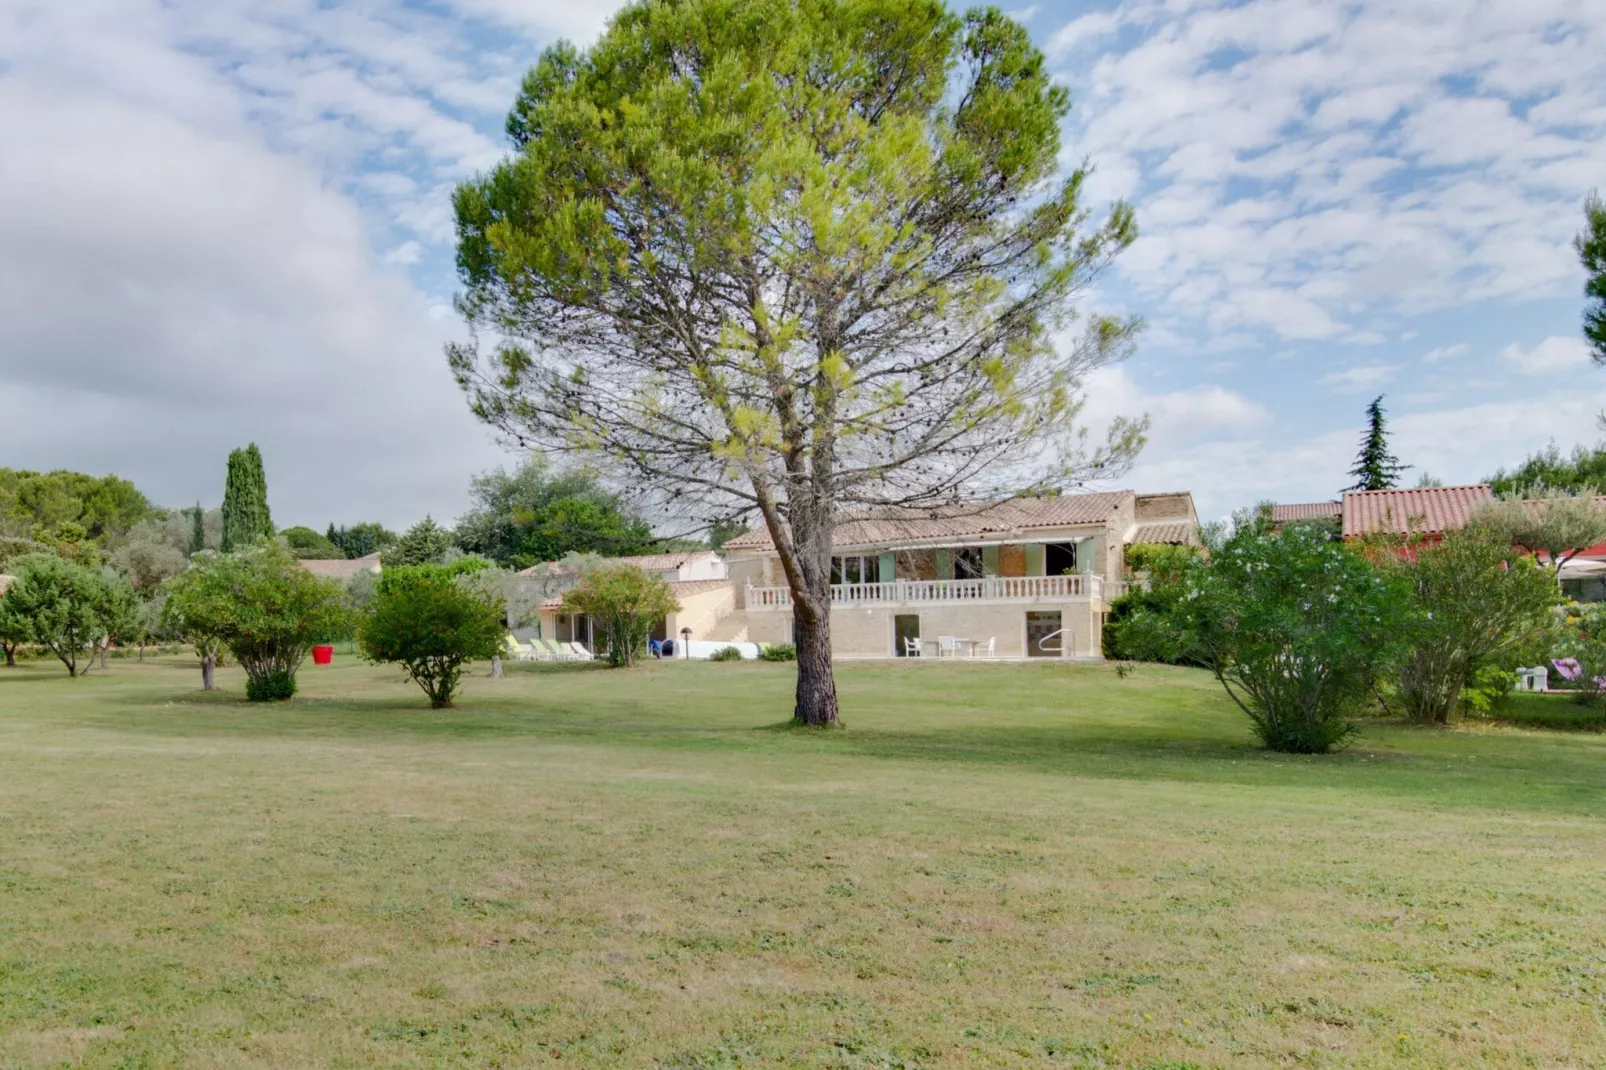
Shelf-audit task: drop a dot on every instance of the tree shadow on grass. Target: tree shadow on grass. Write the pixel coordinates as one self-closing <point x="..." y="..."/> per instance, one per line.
<point x="1193" y="740"/>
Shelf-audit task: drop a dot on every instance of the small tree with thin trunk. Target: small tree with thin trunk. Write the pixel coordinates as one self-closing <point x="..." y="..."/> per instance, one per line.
<point x="192" y="607"/>
<point x="1479" y="605"/>
<point x="626" y="603"/>
<point x="64" y="605"/>
<point x="1375" y="467"/>
<point x="1545" y="520"/>
<point x="264" y="607"/>
<point x="14" y="630"/>
<point x="789" y="256"/>
<point x="432" y="620"/>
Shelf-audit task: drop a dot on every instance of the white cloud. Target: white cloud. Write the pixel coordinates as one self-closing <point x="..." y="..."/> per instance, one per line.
<point x="579" y="21"/>
<point x="172" y="287"/>
<point x="1345" y="159"/>
<point x="1360" y="377"/>
<point x="1555" y="354"/>
<point x="406" y="253"/>
<point x="1450" y="352"/>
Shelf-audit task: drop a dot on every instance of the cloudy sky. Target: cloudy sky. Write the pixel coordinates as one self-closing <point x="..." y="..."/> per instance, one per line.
<point x="223" y="222"/>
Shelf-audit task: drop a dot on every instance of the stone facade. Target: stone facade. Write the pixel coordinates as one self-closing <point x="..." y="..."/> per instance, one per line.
<point x="870" y="631"/>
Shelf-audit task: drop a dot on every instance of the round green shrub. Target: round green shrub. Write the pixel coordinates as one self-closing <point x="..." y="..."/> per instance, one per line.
<point x="728" y="653"/>
<point x="275" y="685"/>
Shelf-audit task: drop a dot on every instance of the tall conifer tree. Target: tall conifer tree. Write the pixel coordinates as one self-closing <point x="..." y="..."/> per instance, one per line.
<point x="1591" y="246"/>
<point x="245" y="501"/>
<point x="197" y="529"/>
<point x="1375" y="467"/>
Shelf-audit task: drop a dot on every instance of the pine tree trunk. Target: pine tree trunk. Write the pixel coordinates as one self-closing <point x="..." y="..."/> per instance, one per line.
<point x="208" y="671"/>
<point x="816" y="701"/>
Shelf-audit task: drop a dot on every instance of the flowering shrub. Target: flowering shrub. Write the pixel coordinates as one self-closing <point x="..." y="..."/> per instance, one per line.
<point x="1295" y="626"/>
<point x="1581" y="666"/>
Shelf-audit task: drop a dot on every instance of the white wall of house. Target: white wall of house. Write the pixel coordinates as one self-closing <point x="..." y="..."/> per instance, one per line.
<point x="707" y="566"/>
<point x="701" y="612"/>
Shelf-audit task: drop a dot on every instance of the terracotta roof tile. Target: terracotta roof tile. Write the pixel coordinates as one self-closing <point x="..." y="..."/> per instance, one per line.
<point x="1281" y="514"/>
<point x="882" y="527"/>
<point x="645" y="562"/>
<point x="679" y="588"/>
<point x="340" y="568"/>
<point x="687" y="588"/>
<point x="1419" y="510"/>
<point x="1174" y="532"/>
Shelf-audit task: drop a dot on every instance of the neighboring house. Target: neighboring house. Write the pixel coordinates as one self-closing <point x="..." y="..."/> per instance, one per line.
<point x="1427" y="512"/>
<point x="697" y="578"/>
<point x="340" y="568"/>
<point x="1285" y="514"/>
<point x="1030" y="577"/>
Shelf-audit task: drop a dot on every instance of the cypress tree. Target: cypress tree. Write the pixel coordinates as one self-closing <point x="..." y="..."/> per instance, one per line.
<point x="1375" y="467"/>
<point x="245" y="501"/>
<point x="197" y="529"/>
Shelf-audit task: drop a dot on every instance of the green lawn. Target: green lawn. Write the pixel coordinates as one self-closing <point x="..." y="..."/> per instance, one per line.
<point x="995" y="865"/>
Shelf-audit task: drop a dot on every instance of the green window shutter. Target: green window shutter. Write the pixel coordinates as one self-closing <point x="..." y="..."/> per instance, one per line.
<point x="945" y="565"/>
<point x="1085" y="549"/>
<point x="989" y="560"/>
<point x="888" y="569"/>
<point x="1035" y="559"/>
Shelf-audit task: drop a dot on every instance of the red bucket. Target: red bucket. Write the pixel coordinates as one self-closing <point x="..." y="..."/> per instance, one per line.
<point x="323" y="655"/>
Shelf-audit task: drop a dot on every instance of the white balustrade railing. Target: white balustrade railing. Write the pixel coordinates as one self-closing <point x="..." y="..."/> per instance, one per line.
<point x="916" y="592"/>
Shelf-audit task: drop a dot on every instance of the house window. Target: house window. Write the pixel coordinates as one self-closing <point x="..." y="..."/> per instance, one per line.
<point x="1059" y="558"/>
<point x="854" y="568"/>
<point x="968" y="563"/>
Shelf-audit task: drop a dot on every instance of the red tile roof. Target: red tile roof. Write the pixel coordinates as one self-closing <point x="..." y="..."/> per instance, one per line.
<point x="1174" y="532"/>
<point x="1419" y="510"/>
<point x="687" y="588"/>
<point x="340" y="568"/>
<point x="1282" y="514"/>
<point x="882" y="527"/>
<point x="645" y="562"/>
<point x="679" y="588"/>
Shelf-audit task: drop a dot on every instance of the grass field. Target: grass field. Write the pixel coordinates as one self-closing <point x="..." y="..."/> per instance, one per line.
<point x="995" y="865"/>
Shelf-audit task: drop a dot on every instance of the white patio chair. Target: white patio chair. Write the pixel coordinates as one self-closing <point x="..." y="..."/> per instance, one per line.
<point x="984" y="650"/>
<point x="946" y="647"/>
<point x="911" y="646"/>
<point x="580" y="652"/>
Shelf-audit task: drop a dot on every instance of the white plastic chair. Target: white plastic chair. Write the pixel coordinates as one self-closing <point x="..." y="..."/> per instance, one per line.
<point x="580" y="652"/>
<point x="946" y="647"/>
<point x="911" y="646"/>
<point x="984" y="650"/>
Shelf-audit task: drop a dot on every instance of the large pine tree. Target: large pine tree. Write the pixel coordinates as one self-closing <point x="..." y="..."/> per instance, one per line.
<point x="1591" y="246"/>
<point x="1375" y="467"/>
<point x="245" y="501"/>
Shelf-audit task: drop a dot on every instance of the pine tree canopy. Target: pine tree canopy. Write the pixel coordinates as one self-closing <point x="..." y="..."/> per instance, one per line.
<point x="1375" y="467"/>
<point x="1591" y="246"/>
